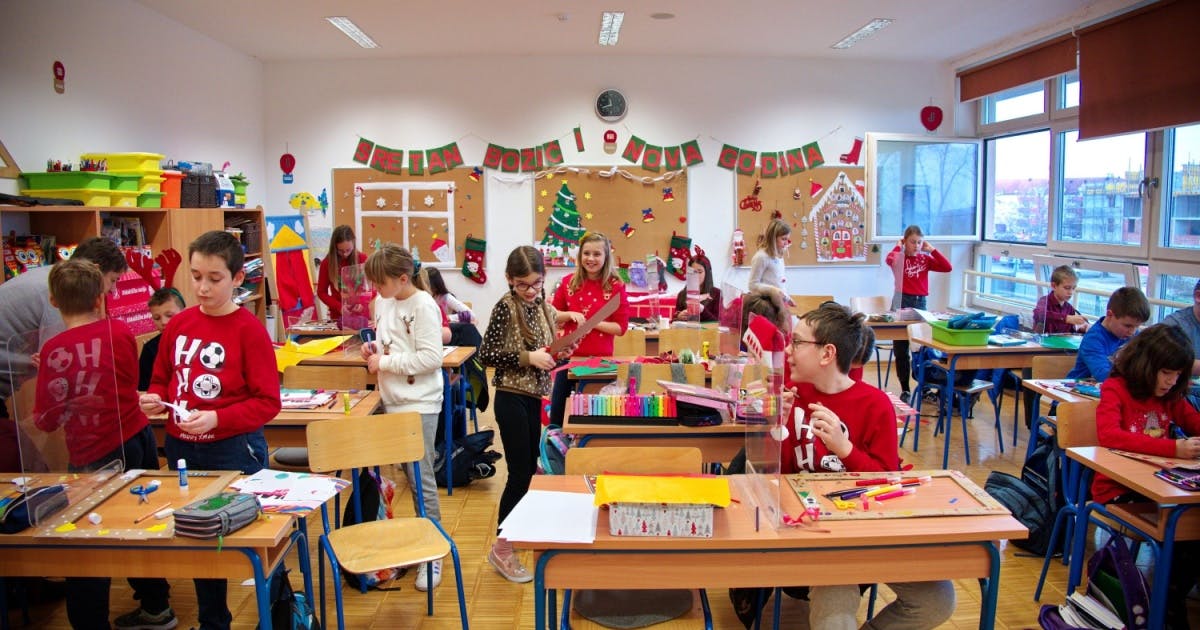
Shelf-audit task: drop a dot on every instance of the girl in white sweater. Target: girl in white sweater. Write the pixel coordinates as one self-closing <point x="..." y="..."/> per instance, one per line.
<point x="407" y="356"/>
<point x="766" y="268"/>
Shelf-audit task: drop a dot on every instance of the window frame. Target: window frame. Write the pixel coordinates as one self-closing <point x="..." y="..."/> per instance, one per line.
<point x="1164" y="154"/>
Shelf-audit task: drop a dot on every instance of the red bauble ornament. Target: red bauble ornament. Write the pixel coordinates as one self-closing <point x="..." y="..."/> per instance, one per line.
<point x="931" y="117"/>
<point x="287" y="162"/>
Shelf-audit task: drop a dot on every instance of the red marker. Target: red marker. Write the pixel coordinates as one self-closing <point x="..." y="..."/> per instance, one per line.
<point x="879" y="481"/>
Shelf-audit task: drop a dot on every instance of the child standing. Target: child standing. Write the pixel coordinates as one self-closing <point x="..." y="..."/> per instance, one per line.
<point x="408" y="359"/>
<point x="454" y="309"/>
<point x="1053" y="312"/>
<point x="85" y="386"/>
<point x="342" y="253"/>
<point x="710" y="297"/>
<point x="1127" y="309"/>
<point x="521" y="327"/>
<point x="578" y="296"/>
<point x="219" y="365"/>
<point x="766" y="267"/>
<point x="164" y="304"/>
<point x="913" y="257"/>
<point x="1142" y="409"/>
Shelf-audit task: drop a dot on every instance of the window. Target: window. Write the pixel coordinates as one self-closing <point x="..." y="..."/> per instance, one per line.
<point x="1016" y="290"/>
<point x="1182" y="208"/>
<point x="1018" y="190"/>
<point x="1099" y="190"/>
<point x="1068" y="90"/>
<point x="933" y="183"/>
<point x="1019" y="102"/>
<point x="1175" y="288"/>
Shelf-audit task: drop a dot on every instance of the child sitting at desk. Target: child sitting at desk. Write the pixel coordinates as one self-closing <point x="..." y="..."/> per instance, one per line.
<point x="164" y="304"/>
<point x="699" y="273"/>
<point x="85" y="386"/>
<point x="1053" y="312"/>
<point x="845" y="426"/>
<point x="1127" y="309"/>
<point x="1142" y="409"/>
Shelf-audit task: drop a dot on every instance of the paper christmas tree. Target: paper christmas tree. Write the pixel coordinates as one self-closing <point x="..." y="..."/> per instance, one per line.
<point x="563" y="229"/>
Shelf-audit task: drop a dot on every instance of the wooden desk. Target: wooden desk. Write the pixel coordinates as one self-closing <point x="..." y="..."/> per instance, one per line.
<point x="254" y="551"/>
<point x="717" y="443"/>
<point x="287" y="428"/>
<point x="1173" y="504"/>
<point x="890" y="331"/>
<point x="453" y="360"/>
<point x="738" y="556"/>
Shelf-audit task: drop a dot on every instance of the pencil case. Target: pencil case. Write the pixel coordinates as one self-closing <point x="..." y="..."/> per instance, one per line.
<point x="19" y="509"/>
<point x="218" y="515"/>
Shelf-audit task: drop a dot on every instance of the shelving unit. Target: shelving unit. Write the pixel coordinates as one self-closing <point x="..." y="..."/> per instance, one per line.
<point x="164" y="227"/>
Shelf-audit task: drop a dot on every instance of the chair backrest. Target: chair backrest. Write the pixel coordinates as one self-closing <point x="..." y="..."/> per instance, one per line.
<point x="1076" y="425"/>
<point x="920" y="328"/>
<point x="750" y="373"/>
<point x="806" y="303"/>
<point x="653" y="372"/>
<point x="318" y="377"/>
<point x="360" y="442"/>
<point x="871" y="305"/>
<point x="1053" y="365"/>
<point x="631" y="344"/>
<point x="642" y="460"/>
<point x="683" y="337"/>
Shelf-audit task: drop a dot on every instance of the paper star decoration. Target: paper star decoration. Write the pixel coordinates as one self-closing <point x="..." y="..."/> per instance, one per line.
<point x="544" y="192"/>
<point x="380" y="202"/>
<point x="587" y="195"/>
<point x="588" y="215"/>
<point x="541" y="208"/>
<point x="428" y="201"/>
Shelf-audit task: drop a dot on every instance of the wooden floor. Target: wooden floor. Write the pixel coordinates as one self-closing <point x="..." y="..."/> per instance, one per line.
<point x="493" y="602"/>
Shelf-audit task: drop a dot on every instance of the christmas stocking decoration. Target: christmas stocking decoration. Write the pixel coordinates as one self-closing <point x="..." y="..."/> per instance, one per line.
<point x="473" y="260"/>
<point x="738" y="249"/>
<point x="851" y="157"/>
<point x="679" y="257"/>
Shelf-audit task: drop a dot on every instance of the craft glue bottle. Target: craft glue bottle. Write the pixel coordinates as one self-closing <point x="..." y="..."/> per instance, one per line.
<point x="183" y="480"/>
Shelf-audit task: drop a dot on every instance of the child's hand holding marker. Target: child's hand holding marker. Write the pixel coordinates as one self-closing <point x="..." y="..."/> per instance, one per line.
<point x="828" y="426"/>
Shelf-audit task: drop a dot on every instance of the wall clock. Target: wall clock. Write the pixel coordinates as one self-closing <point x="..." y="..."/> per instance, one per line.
<point x="611" y="105"/>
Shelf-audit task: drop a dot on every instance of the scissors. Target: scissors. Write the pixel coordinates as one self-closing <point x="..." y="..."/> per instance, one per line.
<point x="143" y="491"/>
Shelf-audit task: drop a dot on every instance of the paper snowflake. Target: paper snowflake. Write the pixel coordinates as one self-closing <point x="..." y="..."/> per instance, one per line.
<point x="428" y="201"/>
<point x="380" y="202"/>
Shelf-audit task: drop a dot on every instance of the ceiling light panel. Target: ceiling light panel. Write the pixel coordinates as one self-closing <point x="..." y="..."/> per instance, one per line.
<point x="610" y="27"/>
<point x="866" y="31"/>
<point x="352" y="31"/>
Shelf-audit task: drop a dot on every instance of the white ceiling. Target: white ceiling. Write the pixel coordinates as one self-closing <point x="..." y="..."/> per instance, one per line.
<point x="924" y="31"/>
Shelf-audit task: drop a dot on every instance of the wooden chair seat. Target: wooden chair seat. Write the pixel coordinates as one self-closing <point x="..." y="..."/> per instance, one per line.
<point x="362" y="548"/>
<point x="631" y="344"/>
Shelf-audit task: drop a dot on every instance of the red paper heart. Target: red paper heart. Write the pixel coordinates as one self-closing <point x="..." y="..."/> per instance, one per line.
<point x="931" y="117"/>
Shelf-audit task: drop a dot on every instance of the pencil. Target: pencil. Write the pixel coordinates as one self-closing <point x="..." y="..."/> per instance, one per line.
<point x="151" y="513"/>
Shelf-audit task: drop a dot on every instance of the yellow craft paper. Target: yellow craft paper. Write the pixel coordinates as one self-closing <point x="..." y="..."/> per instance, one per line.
<point x="650" y="489"/>
<point x="290" y="354"/>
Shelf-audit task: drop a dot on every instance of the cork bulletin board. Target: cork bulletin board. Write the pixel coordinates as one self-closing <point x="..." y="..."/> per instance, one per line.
<point x="826" y="208"/>
<point x="432" y="214"/>
<point x="638" y="215"/>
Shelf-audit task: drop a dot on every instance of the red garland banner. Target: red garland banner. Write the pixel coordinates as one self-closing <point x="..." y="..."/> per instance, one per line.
<point x="771" y="163"/>
<point x="420" y="162"/>
<point x="527" y="160"/>
<point x="655" y="158"/>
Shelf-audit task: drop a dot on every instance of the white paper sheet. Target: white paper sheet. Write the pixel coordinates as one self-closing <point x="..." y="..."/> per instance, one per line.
<point x="446" y="350"/>
<point x="542" y="516"/>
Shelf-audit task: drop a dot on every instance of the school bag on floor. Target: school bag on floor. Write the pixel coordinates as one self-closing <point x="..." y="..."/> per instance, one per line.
<point x="470" y="459"/>
<point x="375" y="495"/>
<point x="1114" y="584"/>
<point x="1033" y="498"/>
<point x="290" y="610"/>
<point x="552" y="450"/>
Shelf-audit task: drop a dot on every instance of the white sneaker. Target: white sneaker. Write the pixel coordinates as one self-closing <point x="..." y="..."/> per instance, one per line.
<point x="422" y="582"/>
<point x="507" y="564"/>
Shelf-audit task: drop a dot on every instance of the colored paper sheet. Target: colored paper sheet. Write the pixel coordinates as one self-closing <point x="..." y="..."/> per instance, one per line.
<point x="672" y="490"/>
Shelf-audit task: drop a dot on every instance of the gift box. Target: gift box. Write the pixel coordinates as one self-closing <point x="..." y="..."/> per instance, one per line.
<point x="680" y="520"/>
<point x="681" y="507"/>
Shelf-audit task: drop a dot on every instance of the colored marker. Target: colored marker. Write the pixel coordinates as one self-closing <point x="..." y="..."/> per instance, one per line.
<point x="895" y="493"/>
<point x="874" y="492"/>
<point x="879" y="481"/>
<point x="916" y="481"/>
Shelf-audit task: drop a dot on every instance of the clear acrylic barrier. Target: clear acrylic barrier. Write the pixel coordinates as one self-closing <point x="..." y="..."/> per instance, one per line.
<point x="357" y="293"/>
<point x="761" y="404"/>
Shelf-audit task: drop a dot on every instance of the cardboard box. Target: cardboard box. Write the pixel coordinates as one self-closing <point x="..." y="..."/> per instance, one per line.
<point x="679" y="520"/>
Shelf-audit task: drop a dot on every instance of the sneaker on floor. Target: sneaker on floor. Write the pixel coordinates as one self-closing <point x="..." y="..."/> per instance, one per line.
<point x="423" y="582"/>
<point x="904" y="396"/>
<point x="509" y="567"/>
<point x="142" y="620"/>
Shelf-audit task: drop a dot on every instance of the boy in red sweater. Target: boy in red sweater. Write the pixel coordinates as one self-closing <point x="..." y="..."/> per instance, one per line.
<point x="86" y="385"/>
<point x="216" y="361"/>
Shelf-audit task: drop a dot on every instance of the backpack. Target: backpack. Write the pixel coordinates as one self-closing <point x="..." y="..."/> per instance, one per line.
<point x="1115" y="582"/>
<point x="375" y="498"/>
<point x="470" y="459"/>
<point x="290" y="610"/>
<point x="1032" y="498"/>
<point x="937" y="376"/>
<point x="552" y="457"/>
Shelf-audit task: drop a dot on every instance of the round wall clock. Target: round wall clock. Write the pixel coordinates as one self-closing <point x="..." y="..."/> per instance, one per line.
<point x="611" y="105"/>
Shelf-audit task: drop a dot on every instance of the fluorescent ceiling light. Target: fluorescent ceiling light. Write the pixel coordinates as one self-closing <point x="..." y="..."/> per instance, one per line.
<point x="610" y="27"/>
<point x="866" y="31"/>
<point x="352" y="31"/>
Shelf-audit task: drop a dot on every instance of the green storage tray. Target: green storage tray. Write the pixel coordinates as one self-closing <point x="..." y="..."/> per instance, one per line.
<point x="963" y="337"/>
<point x="70" y="180"/>
<point x="150" y="199"/>
<point x="120" y="181"/>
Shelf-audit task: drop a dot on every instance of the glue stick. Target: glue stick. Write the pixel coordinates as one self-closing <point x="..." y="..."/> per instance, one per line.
<point x="346" y="402"/>
<point x="182" y="465"/>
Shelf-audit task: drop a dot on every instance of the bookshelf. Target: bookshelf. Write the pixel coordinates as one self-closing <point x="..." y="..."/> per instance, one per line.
<point x="163" y="228"/>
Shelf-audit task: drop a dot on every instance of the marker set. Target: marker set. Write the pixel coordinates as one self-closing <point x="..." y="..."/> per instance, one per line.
<point x="881" y="489"/>
<point x="645" y="405"/>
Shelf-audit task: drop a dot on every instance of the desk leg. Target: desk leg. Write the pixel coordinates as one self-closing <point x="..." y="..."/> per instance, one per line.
<point x="539" y="591"/>
<point x="1162" y="570"/>
<point x="447" y="414"/>
<point x="991" y="589"/>
<point x="949" y="387"/>
<point x="262" y="589"/>
<point x="1079" y="535"/>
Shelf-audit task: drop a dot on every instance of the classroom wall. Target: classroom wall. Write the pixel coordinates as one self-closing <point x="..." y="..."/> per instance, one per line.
<point x="135" y="81"/>
<point x="319" y="110"/>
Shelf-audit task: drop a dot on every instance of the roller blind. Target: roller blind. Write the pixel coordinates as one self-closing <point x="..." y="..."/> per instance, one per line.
<point x="1037" y="63"/>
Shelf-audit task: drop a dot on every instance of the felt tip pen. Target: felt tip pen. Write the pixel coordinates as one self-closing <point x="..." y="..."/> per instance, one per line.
<point x="895" y="493"/>
<point x="916" y="481"/>
<point x="878" y="481"/>
<point x="1177" y="432"/>
<point x="846" y="494"/>
<point x="874" y="492"/>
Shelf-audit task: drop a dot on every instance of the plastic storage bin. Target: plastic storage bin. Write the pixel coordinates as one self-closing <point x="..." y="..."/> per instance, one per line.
<point x="144" y="181"/>
<point x="150" y="200"/>
<point x="172" y="180"/>
<point x="100" y="198"/>
<point x="963" y="337"/>
<point x="124" y="181"/>
<point x="68" y="180"/>
<point x="127" y="161"/>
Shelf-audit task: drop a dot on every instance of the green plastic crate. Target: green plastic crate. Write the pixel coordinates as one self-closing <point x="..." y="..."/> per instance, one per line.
<point x="120" y="181"/>
<point x="150" y="199"/>
<point x="72" y="180"/>
<point x="959" y="337"/>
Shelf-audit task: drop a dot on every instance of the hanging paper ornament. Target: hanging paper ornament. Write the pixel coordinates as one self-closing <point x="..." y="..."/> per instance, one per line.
<point x="738" y="248"/>
<point x="287" y="162"/>
<point x="851" y="156"/>
<point x="441" y="250"/>
<point x="627" y="229"/>
<point x="931" y="117"/>
<point x="579" y="139"/>
<point x="647" y="215"/>
<point x="668" y="194"/>
<point x="796" y="194"/>
<point x="475" y="174"/>
<point x="60" y="75"/>
<point x="814" y="189"/>
<point x="610" y="142"/>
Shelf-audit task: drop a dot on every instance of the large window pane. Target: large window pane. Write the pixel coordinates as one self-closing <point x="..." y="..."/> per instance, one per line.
<point x="930" y="183"/>
<point x="1019" y="102"/>
<point x="1175" y="288"/>
<point x="1020" y="188"/>
<point x="1099" y="189"/>
<point x="1068" y="90"/>
<point x="1183" y="192"/>
<point x="1021" y="291"/>
<point x="1095" y="306"/>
